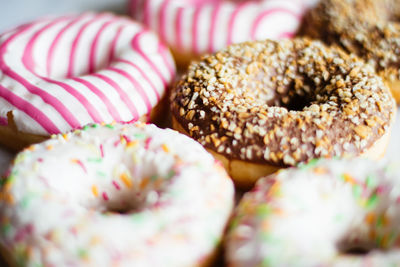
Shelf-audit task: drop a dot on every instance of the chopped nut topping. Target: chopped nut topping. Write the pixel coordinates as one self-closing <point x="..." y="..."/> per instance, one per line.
<point x="282" y="102"/>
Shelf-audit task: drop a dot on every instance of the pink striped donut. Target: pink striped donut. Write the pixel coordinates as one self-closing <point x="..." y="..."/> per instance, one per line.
<point x="195" y="27"/>
<point x="58" y="74"/>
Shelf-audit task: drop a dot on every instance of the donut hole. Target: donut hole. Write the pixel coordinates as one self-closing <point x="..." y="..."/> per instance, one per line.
<point x="271" y="86"/>
<point x="135" y="187"/>
<point x="132" y="201"/>
<point x="355" y="249"/>
<point x="297" y="102"/>
<point x="120" y="205"/>
<point x="360" y="244"/>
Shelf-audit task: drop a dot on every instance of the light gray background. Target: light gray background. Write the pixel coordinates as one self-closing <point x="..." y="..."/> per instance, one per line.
<point x="13" y="12"/>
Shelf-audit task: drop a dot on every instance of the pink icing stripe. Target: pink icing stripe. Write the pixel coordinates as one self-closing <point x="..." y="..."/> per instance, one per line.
<point x="178" y="28"/>
<point x="136" y="46"/>
<point x="168" y="61"/>
<point x="232" y="20"/>
<point x="136" y="86"/>
<point x="3" y="121"/>
<point x="74" y="46"/>
<point x="27" y="57"/>
<point x="93" y="48"/>
<point x="28" y="62"/>
<point x="46" y="97"/>
<point x="267" y="13"/>
<point x="29" y="109"/>
<point x="285" y="35"/>
<point x="195" y="27"/>
<point x="146" y="13"/>
<point x="53" y="45"/>
<point x="113" y="45"/>
<point x="123" y="96"/>
<point x="213" y="26"/>
<point x="162" y="20"/>
<point x="143" y="74"/>
<point x="93" y="113"/>
<point x="132" y="6"/>
<point x="110" y="107"/>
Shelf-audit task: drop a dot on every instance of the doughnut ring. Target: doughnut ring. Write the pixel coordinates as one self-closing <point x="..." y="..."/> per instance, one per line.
<point x="192" y="28"/>
<point x="327" y="213"/>
<point x="58" y="74"/>
<point x="260" y="106"/>
<point x="114" y="195"/>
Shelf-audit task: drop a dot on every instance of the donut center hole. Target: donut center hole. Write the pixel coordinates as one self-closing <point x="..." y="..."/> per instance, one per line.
<point x="356" y="251"/>
<point x="358" y="248"/>
<point x="123" y="208"/>
<point x="296" y="103"/>
<point x="132" y="201"/>
<point x="262" y="88"/>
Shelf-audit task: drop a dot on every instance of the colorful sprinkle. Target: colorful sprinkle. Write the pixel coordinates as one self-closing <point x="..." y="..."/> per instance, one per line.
<point x="372" y="201"/>
<point x="96" y="160"/>
<point x="348" y="178"/>
<point x="125" y="179"/>
<point x="165" y="148"/>
<point x="116" y="185"/>
<point x="144" y="182"/>
<point x="132" y="144"/>
<point x="101" y="151"/>
<point x="105" y="196"/>
<point x="147" y="142"/>
<point x="83" y="253"/>
<point x="95" y="191"/>
<point x="371" y="181"/>
<point x="80" y="163"/>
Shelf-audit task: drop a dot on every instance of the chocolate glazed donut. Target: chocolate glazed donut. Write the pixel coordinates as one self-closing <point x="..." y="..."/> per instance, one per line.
<point x="367" y="28"/>
<point x="261" y="106"/>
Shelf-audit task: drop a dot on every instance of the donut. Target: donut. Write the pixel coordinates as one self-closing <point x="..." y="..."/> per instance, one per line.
<point x="261" y="106"/>
<point x="114" y="195"/>
<point x="367" y="28"/>
<point x="327" y="213"/>
<point x="61" y="73"/>
<point x="195" y="27"/>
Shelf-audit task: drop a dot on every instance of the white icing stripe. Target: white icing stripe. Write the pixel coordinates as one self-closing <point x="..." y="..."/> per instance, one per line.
<point x="207" y="26"/>
<point x="62" y="65"/>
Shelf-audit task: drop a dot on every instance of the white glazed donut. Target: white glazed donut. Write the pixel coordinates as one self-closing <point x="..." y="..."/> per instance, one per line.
<point x="195" y="27"/>
<point x="58" y="74"/>
<point x="114" y="195"/>
<point x="326" y="213"/>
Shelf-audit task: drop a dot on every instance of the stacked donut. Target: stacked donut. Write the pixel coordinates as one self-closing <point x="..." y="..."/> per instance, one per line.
<point x="107" y="190"/>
